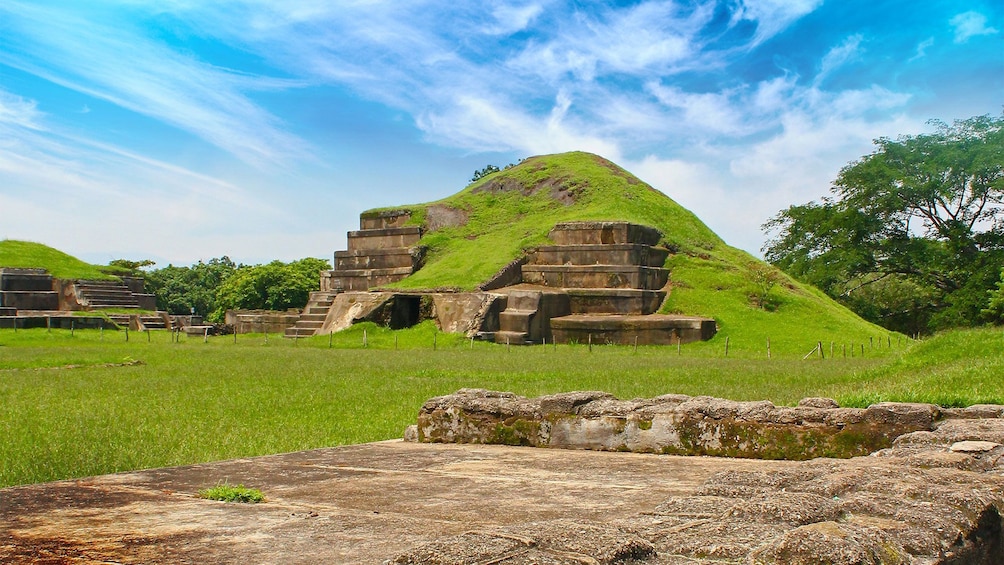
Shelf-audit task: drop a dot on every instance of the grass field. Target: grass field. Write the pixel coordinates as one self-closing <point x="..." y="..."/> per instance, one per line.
<point x="93" y="403"/>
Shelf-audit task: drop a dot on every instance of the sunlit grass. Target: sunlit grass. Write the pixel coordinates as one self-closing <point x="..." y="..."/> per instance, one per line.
<point x="92" y="403"/>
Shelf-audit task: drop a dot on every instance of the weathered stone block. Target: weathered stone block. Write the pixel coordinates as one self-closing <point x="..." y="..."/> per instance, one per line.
<point x="599" y="254"/>
<point x="677" y="425"/>
<point x="384" y="219"/>
<point x="384" y="238"/>
<point x="596" y="276"/>
<point x="604" y="233"/>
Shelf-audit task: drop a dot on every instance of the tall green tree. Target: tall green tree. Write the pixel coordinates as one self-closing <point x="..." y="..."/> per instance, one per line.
<point x="919" y="222"/>
<point x="179" y="289"/>
<point x="273" y="286"/>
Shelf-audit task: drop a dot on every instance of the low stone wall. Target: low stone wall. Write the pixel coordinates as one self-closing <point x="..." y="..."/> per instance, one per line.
<point x="259" y="321"/>
<point x="678" y="424"/>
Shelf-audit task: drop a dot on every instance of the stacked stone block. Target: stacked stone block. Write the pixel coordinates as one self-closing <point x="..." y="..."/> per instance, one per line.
<point x="611" y="282"/>
<point x="382" y="251"/>
<point x="27" y="289"/>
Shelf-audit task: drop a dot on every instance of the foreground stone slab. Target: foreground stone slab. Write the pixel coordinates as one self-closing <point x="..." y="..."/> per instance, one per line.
<point x="354" y="504"/>
<point x="396" y="502"/>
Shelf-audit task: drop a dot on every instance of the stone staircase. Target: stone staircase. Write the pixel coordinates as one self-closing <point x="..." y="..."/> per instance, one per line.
<point x="600" y="282"/>
<point x="105" y="294"/>
<point x="140" y="322"/>
<point x="527" y="313"/>
<point x="382" y="251"/>
<point x="312" y="318"/>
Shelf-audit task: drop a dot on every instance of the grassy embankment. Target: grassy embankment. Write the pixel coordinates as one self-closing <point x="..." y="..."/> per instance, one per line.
<point x="27" y="254"/>
<point x="191" y="401"/>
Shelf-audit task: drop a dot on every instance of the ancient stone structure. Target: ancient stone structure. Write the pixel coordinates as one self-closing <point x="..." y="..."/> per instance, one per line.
<point x="382" y="251"/>
<point x="259" y="321"/>
<point x="600" y="282"/>
<point x="923" y="484"/>
<point x="33" y="298"/>
<point x="27" y="289"/>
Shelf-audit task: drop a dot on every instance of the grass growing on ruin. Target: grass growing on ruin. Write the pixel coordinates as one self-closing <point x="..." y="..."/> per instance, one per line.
<point x="82" y="405"/>
<point x="27" y="254"/>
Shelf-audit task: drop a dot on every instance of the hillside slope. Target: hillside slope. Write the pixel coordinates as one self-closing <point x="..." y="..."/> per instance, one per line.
<point x="28" y="254"/>
<point x="473" y="234"/>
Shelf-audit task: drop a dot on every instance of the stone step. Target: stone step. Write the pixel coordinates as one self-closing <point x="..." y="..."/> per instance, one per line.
<point x="22" y="280"/>
<point x="654" y="329"/>
<point x="599" y="254"/>
<point x="604" y="233"/>
<point x="516" y="320"/>
<point x="113" y="302"/>
<point x="596" y="276"/>
<point x="523" y="300"/>
<point x="106" y="293"/>
<point x="153" y="322"/>
<point x="512" y="338"/>
<point x="626" y="301"/>
<point x="317" y="309"/>
<point x="30" y="299"/>
<point x="93" y="283"/>
<point x="383" y="220"/>
<point x="386" y="238"/>
<point x="392" y="258"/>
<point x="365" y="279"/>
<point x="294" y="331"/>
<point x="319" y="318"/>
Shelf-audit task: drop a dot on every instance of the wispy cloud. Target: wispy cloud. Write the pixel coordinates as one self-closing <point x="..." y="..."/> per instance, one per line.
<point x="839" y="56"/>
<point x="922" y="48"/>
<point x="17" y="111"/>
<point x="510" y="19"/>
<point x="970" y="24"/>
<point x="119" y="65"/>
<point x="772" y="16"/>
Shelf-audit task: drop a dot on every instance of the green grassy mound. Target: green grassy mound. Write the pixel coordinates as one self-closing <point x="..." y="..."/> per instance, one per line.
<point x="471" y="235"/>
<point x="27" y="254"/>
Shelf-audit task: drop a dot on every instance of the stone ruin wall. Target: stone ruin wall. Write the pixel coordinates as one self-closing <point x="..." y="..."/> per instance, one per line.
<point x="679" y="424"/>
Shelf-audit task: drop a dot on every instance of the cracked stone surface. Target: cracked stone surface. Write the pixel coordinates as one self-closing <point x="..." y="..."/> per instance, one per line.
<point x="918" y="502"/>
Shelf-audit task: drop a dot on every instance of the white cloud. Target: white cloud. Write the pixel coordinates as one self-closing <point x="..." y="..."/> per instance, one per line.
<point x="970" y="24"/>
<point x="120" y="66"/>
<point x="17" y="111"/>
<point x="773" y="16"/>
<point x="511" y="19"/>
<point x="922" y="48"/>
<point x="840" y="55"/>
<point x="712" y="112"/>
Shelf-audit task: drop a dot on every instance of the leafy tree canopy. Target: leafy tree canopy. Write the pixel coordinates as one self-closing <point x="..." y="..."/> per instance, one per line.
<point x="274" y="286"/>
<point x="179" y="289"/>
<point x="913" y="236"/>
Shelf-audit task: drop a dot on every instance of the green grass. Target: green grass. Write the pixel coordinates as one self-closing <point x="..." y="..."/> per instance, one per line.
<point x="26" y="254"/>
<point x="708" y="277"/>
<point x="229" y="493"/>
<point x="140" y="404"/>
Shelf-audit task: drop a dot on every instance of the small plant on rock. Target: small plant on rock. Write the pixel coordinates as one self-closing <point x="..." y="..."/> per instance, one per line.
<point x="228" y="493"/>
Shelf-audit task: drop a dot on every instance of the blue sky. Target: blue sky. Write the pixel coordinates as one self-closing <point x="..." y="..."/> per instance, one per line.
<point x="181" y="130"/>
